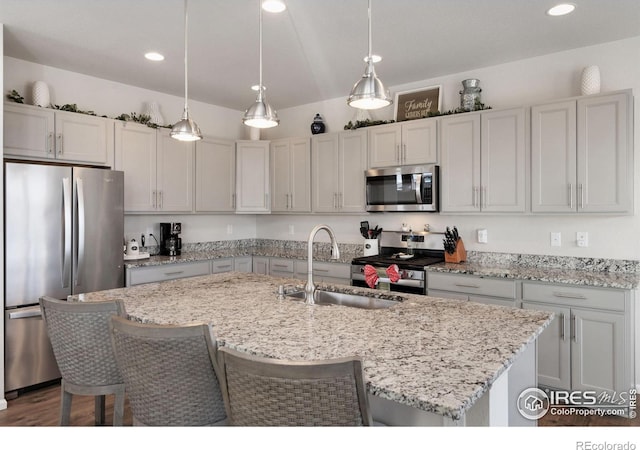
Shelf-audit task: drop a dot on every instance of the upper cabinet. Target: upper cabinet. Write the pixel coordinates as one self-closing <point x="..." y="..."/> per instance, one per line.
<point x="338" y="165"/>
<point x="291" y="175"/>
<point x="215" y="175"/>
<point x="39" y="133"/>
<point x="483" y="161"/>
<point x="158" y="170"/>
<point x="252" y="177"/>
<point x="581" y="155"/>
<point x="407" y="143"/>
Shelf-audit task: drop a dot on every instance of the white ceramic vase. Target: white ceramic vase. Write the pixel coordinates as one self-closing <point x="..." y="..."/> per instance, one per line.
<point x="40" y="94"/>
<point x="153" y="111"/>
<point x="590" y="83"/>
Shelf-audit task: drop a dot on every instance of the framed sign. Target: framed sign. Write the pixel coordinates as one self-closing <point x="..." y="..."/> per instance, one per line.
<point x="418" y="103"/>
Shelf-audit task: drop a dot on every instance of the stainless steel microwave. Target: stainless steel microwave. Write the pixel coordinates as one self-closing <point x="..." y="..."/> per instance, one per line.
<point x="404" y="188"/>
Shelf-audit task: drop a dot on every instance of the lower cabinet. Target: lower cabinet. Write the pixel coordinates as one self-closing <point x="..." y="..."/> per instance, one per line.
<point x="261" y="265"/>
<point x="281" y="267"/>
<point x="243" y="264"/>
<point x="324" y="272"/>
<point x="222" y="265"/>
<point x="151" y="274"/>
<point x="589" y="345"/>
<point x="472" y="288"/>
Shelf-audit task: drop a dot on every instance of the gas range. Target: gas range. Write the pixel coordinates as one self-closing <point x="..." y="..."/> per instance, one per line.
<point x="411" y="252"/>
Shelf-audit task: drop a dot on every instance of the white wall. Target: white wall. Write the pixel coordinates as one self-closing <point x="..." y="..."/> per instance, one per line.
<point x="522" y="82"/>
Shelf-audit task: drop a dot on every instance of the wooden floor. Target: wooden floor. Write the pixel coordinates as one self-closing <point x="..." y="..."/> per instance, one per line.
<point x="41" y="407"/>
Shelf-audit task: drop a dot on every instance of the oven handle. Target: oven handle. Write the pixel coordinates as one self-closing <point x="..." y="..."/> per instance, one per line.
<point x="417" y="182"/>
<point x="401" y="282"/>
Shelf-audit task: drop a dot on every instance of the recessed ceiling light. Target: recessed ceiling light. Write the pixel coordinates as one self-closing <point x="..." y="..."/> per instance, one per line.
<point x="274" y="6"/>
<point x="154" y="56"/>
<point x="374" y="58"/>
<point x="561" y="9"/>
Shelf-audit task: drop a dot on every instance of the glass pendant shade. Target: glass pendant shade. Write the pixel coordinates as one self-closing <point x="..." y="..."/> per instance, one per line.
<point x="369" y="92"/>
<point x="186" y="129"/>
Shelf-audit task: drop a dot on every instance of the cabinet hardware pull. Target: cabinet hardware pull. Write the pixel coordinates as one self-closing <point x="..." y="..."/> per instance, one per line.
<point x="321" y="270"/>
<point x="562" y="336"/>
<point x="160" y="201"/>
<point x="59" y="146"/>
<point x="340" y="200"/>
<point x="581" y="193"/>
<point x="154" y="198"/>
<point x="286" y="196"/>
<point x="291" y="200"/>
<point x="404" y="153"/>
<point x="226" y="266"/>
<point x="233" y="201"/>
<point x="565" y="295"/>
<point x="335" y="200"/>
<point x="570" y="195"/>
<point x="573" y="329"/>
<point x="398" y="157"/>
<point x="284" y="266"/>
<point x="50" y="143"/>
<point x="166" y="274"/>
<point x="467" y="285"/>
<point x="483" y="197"/>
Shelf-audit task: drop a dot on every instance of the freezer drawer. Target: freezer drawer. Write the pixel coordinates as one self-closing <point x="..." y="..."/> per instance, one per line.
<point x="28" y="356"/>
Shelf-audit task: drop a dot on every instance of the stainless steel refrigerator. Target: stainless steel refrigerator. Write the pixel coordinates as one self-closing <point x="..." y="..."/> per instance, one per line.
<point x="64" y="229"/>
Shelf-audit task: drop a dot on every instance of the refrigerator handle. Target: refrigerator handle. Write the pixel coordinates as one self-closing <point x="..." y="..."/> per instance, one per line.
<point x="25" y="313"/>
<point x="66" y="238"/>
<point x="81" y="231"/>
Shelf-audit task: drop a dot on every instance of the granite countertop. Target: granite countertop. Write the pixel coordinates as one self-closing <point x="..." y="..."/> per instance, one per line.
<point x="433" y="354"/>
<point x="604" y="279"/>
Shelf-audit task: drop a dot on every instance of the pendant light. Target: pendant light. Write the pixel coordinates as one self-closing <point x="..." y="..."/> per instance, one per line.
<point x="186" y="129"/>
<point x="369" y="92"/>
<point x="260" y="114"/>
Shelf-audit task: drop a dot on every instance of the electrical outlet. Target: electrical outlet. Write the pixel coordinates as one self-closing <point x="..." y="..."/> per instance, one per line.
<point x="556" y="240"/>
<point x="483" y="237"/>
<point x="582" y="239"/>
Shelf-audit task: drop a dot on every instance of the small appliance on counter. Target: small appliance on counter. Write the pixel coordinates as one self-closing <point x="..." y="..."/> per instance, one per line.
<point x="170" y="241"/>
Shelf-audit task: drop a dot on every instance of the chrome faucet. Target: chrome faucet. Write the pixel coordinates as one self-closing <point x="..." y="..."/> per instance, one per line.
<point x="310" y="288"/>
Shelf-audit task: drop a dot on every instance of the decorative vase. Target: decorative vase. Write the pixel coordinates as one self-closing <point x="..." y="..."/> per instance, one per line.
<point x="590" y="83"/>
<point x="470" y="94"/>
<point x="153" y="111"/>
<point x="317" y="127"/>
<point x="40" y="94"/>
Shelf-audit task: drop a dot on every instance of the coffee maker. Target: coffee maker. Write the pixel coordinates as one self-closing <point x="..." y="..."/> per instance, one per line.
<point x="170" y="241"/>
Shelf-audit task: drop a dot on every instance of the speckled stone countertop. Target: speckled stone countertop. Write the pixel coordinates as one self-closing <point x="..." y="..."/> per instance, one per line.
<point x="604" y="279"/>
<point x="433" y="354"/>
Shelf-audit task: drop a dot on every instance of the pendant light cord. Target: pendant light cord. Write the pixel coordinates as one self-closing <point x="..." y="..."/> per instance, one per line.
<point x="186" y="84"/>
<point x="260" y="56"/>
<point x="370" y="45"/>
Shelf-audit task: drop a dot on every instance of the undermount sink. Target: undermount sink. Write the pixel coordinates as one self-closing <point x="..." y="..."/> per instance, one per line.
<point x="352" y="300"/>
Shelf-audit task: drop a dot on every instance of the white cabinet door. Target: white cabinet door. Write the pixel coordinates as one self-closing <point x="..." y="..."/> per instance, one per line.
<point x="29" y="132"/>
<point x="503" y="161"/>
<point x="385" y="147"/>
<point x="174" y="174"/>
<point x="280" y="175"/>
<point x="135" y="148"/>
<point x="325" y="172"/>
<point x="553" y="157"/>
<point x="351" y="166"/>
<point x="554" y="347"/>
<point x="83" y="138"/>
<point x="419" y="142"/>
<point x="300" y="196"/>
<point x="605" y="163"/>
<point x="597" y="353"/>
<point x="252" y="177"/>
<point x="460" y="164"/>
<point x="215" y="175"/>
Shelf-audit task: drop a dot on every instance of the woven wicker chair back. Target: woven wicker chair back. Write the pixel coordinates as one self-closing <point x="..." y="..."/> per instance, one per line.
<point x="169" y="373"/>
<point x="79" y="334"/>
<point x="267" y="392"/>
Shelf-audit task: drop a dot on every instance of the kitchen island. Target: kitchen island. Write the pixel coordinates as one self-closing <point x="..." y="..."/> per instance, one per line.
<point x="427" y="361"/>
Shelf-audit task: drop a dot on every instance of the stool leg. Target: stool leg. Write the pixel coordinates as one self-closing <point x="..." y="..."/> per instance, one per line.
<point x="118" y="408"/>
<point x="65" y="405"/>
<point x="99" y="409"/>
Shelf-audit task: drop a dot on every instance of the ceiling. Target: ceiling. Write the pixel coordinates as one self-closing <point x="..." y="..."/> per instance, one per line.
<point x="312" y="52"/>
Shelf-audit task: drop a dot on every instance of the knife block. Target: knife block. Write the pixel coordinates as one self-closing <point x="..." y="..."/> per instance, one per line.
<point x="459" y="255"/>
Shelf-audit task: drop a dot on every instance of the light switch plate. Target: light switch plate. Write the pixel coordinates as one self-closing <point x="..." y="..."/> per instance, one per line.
<point x="483" y="237"/>
<point x="556" y="240"/>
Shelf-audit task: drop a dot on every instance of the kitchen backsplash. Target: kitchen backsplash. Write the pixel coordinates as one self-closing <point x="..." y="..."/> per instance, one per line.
<point x="486" y="258"/>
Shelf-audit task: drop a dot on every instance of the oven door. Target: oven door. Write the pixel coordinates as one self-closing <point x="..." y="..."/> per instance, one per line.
<point x="411" y="281"/>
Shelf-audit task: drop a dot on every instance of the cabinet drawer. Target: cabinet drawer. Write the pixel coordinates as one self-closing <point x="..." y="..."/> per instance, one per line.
<point x="278" y="265"/>
<point x="222" y="265"/>
<point x="469" y="284"/>
<point x="587" y="297"/>
<point x="140" y="275"/>
<point x="325" y="269"/>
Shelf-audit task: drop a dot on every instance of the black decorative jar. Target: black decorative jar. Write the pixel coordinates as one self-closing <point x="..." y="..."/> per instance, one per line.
<point x="317" y="127"/>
